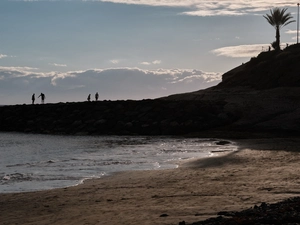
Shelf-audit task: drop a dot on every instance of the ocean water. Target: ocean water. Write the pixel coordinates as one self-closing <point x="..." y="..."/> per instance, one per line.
<point x="31" y="162"/>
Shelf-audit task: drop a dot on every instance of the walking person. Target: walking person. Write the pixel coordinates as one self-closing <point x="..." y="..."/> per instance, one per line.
<point x="89" y="97"/>
<point x="96" y="96"/>
<point x="42" y="95"/>
<point x="33" y="98"/>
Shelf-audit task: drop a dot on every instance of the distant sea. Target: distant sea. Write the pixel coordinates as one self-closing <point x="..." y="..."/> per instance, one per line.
<point x="32" y="162"/>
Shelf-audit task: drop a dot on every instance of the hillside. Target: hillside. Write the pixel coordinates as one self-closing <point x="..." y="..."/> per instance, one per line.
<point x="263" y="94"/>
<point x="268" y="70"/>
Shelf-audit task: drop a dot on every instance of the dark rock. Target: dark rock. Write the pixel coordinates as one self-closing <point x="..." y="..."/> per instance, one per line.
<point x="223" y="142"/>
<point x="282" y="213"/>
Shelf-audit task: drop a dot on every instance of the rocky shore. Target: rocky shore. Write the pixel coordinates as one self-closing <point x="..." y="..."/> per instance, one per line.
<point x="282" y="213"/>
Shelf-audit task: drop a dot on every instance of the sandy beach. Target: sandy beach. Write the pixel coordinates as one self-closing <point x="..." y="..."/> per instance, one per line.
<point x="262" y="170"/>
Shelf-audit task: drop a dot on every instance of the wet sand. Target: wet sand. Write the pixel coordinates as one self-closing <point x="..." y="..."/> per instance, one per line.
<point x="263" y="170"/>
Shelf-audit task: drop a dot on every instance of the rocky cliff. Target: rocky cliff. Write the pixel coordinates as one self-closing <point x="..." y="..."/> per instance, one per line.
<point x="268" y="70"/>
<point x="263" y="94"/>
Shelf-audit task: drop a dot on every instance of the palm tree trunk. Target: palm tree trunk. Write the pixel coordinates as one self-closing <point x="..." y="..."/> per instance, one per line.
<point x="277" y="38"/>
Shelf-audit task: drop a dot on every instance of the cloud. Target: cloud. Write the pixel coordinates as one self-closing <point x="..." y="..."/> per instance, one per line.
<point x="10" y="72"/>
<point x="132" y="76"/>
<point x="58" y="65"/>
<point x="3" y="56"/>
<point x="146" y="63"/>
<point x="211" y="7"/>
<point x="291" y="32"/>
<point x="155" y="62"/>
<point x="245" y="51"/>
<point x="241" y="51"/>
<point x="18" y="83"/>
<point x="114" y="61"/>
<point x="202" y="7"/>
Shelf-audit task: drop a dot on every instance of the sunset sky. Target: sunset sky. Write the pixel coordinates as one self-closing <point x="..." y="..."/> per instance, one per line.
<point x="127" y="49"/>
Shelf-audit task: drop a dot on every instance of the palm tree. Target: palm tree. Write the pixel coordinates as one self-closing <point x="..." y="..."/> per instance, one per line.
<point x="278" y="19"/>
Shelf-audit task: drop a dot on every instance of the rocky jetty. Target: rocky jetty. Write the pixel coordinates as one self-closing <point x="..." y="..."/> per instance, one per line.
<point x="262" y="95"/>
<point x="145" y="117"/>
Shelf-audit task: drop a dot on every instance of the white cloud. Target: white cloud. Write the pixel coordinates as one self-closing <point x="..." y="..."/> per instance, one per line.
<point x="58" y="65"/>
<point x="241" y="51"/>
<point x="212" y="7"/>
<point x="3" y="56"/>
<point x="16" y="72"/>
<point x="203" y="7"/>
<point x="245" y="51"/>
<point x="155" y="62"/>
<point x="18" y="83"/>
<point x="291" y="32"/>
<point x="146" y="63"/>
<point x="114" y="61"/>
<point x="212" y="12"/>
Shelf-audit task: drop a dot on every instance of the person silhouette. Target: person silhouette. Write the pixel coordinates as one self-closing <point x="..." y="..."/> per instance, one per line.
<point x="42" y="95"/>
<point x="33" y="98"/>
<point x="89" y="97"/>
<point x="96" y="96"/>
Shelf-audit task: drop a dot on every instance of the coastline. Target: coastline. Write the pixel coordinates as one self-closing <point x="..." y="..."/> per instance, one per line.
<point x="258" y="172"/>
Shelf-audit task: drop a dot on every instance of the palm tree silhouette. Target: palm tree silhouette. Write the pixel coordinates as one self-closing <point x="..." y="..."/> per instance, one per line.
<point x="278" y="19"/>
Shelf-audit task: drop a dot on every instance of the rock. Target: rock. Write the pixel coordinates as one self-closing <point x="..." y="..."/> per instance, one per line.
<point x="77" y="123"/>
<point x="222" y="142"/>
<point x="284" y="213"/>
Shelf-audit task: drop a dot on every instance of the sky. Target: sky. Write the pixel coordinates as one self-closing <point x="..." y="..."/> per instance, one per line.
<point x="128" y="49"/>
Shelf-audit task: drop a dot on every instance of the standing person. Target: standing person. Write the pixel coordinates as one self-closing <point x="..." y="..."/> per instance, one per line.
<point x="89" y="97"/>
<point x="33" y="98"/>
<point x="96" y="96"/>
<point x="42" y="95"/>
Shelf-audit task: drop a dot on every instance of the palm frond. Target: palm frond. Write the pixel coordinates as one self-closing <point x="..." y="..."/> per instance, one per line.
<point x="279" y="18"/>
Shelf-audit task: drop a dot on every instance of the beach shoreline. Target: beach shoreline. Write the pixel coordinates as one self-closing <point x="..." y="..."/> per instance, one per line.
<point x="262" y="170"/>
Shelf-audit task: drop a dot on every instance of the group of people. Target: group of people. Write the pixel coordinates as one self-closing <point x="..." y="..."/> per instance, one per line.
<point x="96" y="97"/>
<point x="42" y="95"/>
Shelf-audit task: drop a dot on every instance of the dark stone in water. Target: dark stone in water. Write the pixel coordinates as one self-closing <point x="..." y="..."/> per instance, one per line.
<point x="223" y="142"/>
